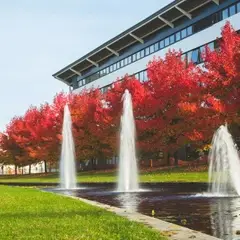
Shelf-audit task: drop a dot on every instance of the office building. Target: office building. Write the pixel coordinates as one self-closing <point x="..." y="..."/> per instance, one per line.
<point x="186" y="25"/>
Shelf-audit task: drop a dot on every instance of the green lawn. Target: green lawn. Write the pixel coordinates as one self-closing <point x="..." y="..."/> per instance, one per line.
<point x="174" y="175"/>
<point x="28" y="213"/>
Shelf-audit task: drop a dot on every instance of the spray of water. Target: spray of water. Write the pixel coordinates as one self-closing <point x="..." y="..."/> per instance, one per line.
<point x="224" y="168"/>
<point x="67" y="161"/>
<point x="128" y="171"/>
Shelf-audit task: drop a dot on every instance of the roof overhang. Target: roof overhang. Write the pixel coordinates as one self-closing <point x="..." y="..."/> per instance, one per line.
<point x="163" y="18"/>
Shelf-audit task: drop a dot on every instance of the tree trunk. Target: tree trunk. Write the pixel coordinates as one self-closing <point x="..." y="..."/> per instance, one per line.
<point x="151" y="163"/>
<point x="45" y="166"/>
<point x="168" y="159"/>
<point x="176" y="160"/>
<point x="29" y="169"/>
<point x="93" y="164"/>
<point x="15" y="169"/>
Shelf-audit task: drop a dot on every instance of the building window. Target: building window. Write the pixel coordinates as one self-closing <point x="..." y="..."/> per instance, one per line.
<point x="129" y="59"/>
<point x="184" y="33"/>
<point x="145" y="75"/>
<point x="238" y="7"/>
<point x="183" y="57"/>
<point x="141" y="76"/>
<point x="103" y="72"/>
<point x="111" y="68"/>
<point x="121" y="63"/>
<point x="142" y="53"/>
<point x="178" y="36"/>
<point x="156" y="46"/>
<point x="138" y="55"/>
<point x="107" y="70"/>
<point x="134" y="57"/>
<point x="211" y="46"/>
<point x="195" y="56"/>
<point x="81" y="82"/>
<point x="225" y="13"/>
<point x="118" y="65"/>
<point x="166" y="42"/>
<point x="125" y="61"/>
<point x="114" y="67"/>
<point x="147" y="51"/>
<point x="189" y="31"/>
<point x="232" y="10"/>
<point x="172" y="40"/>
<point x="201" y="54"/>
<point x="162" y="44"/>
<point x="151" y="49"/>
<point x="189" y="56"/>
<point x="216" y="18"/>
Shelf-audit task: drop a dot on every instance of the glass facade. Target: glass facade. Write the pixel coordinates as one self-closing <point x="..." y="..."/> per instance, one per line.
<point x="194" y="56"/>
<point x="186" y="32"/>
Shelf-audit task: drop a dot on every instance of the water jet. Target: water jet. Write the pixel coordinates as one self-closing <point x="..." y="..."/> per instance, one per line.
<point x="128" y="170"/>
<point x="224" y="167"/>
<point x="68" y="178"/>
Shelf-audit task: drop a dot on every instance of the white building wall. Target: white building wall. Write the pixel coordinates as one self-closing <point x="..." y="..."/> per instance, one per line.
<point x="10" y="169"/>
<point x="198" y="39"/>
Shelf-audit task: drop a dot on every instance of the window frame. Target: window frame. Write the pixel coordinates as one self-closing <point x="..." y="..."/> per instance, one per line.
<point x="147" y="51"/>
<point x="222" y="13"/>
<point x="166" y="41"/>
<point x="138" y="55"/>
<point x="238" y="7"/>
<point x="178" y="34"/>
<point x="191" y="32"/>
<point x="162" y="43"/>
<point x="152" y="49"/>
<point x="232" y="7"/>
<point x="173" y="39"/>
<point x="183" y="31"/>
<point x="156" y="46"/>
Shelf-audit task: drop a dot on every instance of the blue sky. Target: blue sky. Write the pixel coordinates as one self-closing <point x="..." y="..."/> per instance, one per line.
<point x="38" y="38"/>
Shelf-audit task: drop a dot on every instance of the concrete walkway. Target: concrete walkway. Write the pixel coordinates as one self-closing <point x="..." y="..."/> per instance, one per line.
<point x="172" y="231"/>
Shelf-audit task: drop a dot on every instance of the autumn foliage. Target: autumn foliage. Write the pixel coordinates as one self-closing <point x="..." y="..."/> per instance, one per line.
<point x="178" y="105"/>
<point x="171" y="103"/>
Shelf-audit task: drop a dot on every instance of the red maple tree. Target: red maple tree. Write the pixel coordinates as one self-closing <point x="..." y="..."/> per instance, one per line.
<point x="223" y="74"/>
<point x="171" y="103"/>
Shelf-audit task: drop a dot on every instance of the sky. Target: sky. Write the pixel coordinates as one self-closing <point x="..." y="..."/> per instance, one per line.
<point x="38" y="38"/>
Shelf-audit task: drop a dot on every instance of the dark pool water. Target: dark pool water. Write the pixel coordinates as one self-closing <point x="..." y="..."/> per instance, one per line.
<point x="185" y="204"/>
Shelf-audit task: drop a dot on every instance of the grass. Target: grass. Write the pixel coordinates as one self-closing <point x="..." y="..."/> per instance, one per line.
<point x="27" y="213"/>
<point x="173" y="175"/>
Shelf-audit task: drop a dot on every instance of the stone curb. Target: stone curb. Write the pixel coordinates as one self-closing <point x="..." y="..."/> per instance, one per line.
<point x="172" y="231"/>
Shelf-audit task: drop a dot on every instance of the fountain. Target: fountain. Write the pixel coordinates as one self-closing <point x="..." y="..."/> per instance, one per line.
<point x="224" y="168"/>
<point x="129" y="201"/>
<point x="67" y="161"/>
<point x="128" y="172"/>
